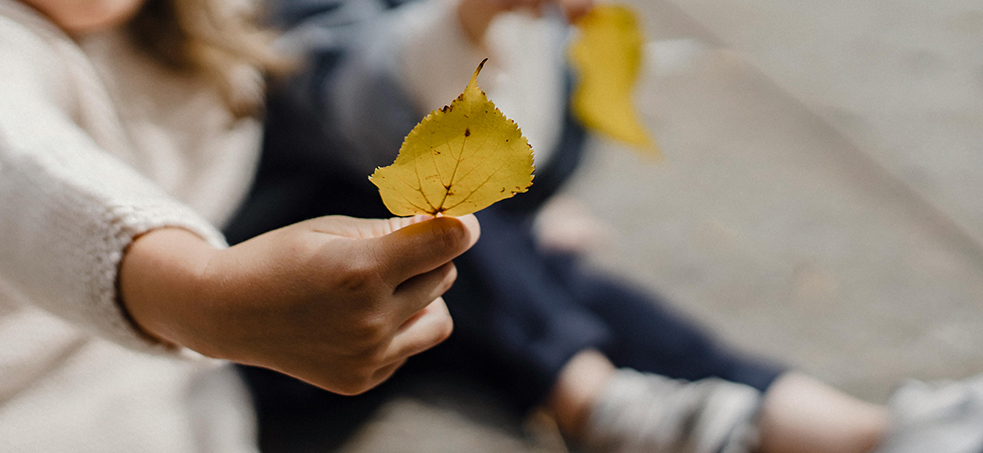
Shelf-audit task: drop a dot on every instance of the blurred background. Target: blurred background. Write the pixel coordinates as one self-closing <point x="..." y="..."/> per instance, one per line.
<point x="820" y="200"/>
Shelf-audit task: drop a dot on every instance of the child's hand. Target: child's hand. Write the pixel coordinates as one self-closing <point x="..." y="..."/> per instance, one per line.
<point x="335" y="301"/>
<point x="475" y="15"/>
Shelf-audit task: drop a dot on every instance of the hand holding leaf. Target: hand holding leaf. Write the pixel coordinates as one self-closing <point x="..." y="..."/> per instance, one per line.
<point x="457" y="160"/>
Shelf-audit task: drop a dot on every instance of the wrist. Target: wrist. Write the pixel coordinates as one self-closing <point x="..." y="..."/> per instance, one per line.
<point x="161" y="281"/>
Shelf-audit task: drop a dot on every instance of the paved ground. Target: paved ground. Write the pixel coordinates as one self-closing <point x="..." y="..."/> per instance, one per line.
<point x="819" y="202"/>
<point x="821" y="197"/>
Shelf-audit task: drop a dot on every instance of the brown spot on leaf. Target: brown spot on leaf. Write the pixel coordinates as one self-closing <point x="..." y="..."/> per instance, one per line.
<point x="467" y="132"/>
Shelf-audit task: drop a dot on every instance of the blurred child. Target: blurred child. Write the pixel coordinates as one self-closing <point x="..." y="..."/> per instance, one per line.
<point x="126" y="138"/>
<point x="593" y="351"/>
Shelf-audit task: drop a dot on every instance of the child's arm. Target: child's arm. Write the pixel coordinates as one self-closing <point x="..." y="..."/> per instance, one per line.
<point x="325" y="300"/>
<point x="69" y="204"/>
<point x="373" y="71"/>
<point x="335" y="301"/>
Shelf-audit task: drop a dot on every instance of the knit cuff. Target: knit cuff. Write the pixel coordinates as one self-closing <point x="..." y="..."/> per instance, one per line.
<point x="66" y="237"/>
<point x="111" y="318"/>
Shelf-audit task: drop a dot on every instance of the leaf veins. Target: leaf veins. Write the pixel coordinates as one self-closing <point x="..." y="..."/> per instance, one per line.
<point x="493" y="161"/>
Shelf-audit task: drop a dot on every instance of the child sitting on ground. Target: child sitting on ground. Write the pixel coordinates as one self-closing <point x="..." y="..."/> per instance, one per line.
<point x="593" y="351"/>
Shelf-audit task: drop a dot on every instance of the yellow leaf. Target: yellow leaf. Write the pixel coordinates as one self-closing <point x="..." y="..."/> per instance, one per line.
<point x="458" y="160"/>
<point x="607" y="58"/>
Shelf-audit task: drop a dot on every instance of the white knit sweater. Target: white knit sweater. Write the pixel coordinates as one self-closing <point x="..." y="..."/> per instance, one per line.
<point x="98" y="144"/>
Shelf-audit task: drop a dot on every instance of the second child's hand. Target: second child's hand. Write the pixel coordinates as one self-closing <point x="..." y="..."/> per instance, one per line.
<point x="476" y="15"/>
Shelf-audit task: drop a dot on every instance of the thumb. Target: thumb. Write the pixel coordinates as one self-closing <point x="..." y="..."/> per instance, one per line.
<point x="423" y="246"/>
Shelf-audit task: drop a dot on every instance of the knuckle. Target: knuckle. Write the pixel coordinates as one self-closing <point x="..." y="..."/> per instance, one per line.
<point x="362" y="380"/>
<point x="370" y="333"/>
<point x="354" y="385"/>
<point x="445" y="327"/>
<point x="292" y="244"/>
<point x="450" y="275"/>
<point x="344" y="387"/>
<point x="353" y="380"/>
<point x="450" y="234"/>
<point x="360" y="276"/>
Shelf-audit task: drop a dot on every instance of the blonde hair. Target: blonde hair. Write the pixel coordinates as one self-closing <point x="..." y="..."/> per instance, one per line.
<point x="215" y="39"/>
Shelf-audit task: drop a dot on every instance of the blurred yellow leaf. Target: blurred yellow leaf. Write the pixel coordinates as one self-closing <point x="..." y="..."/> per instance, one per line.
<point x="458" y="160"/>
<point x="607" y="57"/>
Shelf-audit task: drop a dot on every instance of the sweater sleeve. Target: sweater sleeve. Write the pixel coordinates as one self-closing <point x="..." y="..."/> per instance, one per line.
<point x="68" y="209"/>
